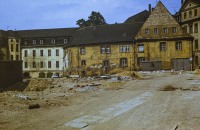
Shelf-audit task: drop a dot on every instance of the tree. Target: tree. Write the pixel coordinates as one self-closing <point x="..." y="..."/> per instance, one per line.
<point x="95" y="18"/>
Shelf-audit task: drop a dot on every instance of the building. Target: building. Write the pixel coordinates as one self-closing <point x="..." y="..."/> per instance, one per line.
<point x="103" y="49"/>
<point x="42" y="51"/>
<point x="189" y="18"/>
<point x="10" y="45"/>
<point x="4" y="52"/>
<point x="162" y="39"/>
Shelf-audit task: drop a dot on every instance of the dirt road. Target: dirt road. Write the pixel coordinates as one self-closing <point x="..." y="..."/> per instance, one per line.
<point x="137" y="105"/>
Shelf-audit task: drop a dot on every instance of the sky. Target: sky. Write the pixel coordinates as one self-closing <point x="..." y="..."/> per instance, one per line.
<point x="44" y="14"/>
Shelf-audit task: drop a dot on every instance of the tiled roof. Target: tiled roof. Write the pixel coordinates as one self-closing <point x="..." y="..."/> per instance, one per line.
<point x="107" y="33"/>
<point x="140" y="17"/>
<point x="58" y="32"/>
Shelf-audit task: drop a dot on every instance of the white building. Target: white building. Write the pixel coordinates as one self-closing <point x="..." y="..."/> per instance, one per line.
<point x="42" y="51"/>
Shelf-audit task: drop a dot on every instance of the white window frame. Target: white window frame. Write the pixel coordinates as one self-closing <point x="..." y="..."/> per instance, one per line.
<point x="34" y="42"/>
<point x="41" y="41"/>
<point x="65" y="40"/>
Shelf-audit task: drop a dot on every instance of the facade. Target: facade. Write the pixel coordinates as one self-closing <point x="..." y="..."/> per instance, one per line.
<point x="161" y="38"/>
<point x="14" y="43"/>
<point x="42" y="51"/>
<point x="3" y="46"/>
<point x="10" y="45"/>
<point x="189" y="18"/>
<point x="106" y="49"/>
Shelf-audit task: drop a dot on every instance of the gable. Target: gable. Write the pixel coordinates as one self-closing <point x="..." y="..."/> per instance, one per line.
<point x="160" y="18"/>
<point x="189" y="5"/>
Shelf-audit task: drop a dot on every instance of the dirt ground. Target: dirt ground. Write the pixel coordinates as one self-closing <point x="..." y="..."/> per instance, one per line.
<point x="161" y="100"/>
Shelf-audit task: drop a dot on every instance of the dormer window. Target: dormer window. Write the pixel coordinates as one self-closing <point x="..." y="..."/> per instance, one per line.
<point x="34" y="41"/>
<point x="65" y="40"/>
<point x="41" y="41"/>
<point x="53" y="41"/>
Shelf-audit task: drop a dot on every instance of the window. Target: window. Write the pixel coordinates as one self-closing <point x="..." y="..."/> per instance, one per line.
<point x="196" y="44"/>
<point x="123" y="62"/>
<point x="105" y="63"/>
<point x="155" y="30"/>
<point x="174" y="29"/>
<point x="17" y="57"/>
<point x="82" y="51"/>
<point x="65" y="40"/>
<point x="41" y="53"/>
<point x="190" y="14"/>
<point x="195" y="12"/>
<point x="191" y="29"/>
<point x="11" y="57"/>
<point x="53" y="41"/>
<point x="146" y="31"/>
<point x="162" y="46"/>
<point x="57" y="64"/>
<point x="25" y="53"/>
<point x="178" y="46"/>
<point x="185" y="28"/>
<point x="33" y="53"/>
<point x="83" y="62"/>
<point x="57" y="52"/>
<point x="34" y="41"/>
<point x="105" y="49"/>
<point x="196" y="27"/>
<point x="41" y="64"/>
<point x="11" y="47"/>
<point x="11" y="40"/>
<point x="196" y="60"/>
<point x="185" y="15"/>
<point x="17" y="47"/>
<point x="165" y="30"/>
<point x="49" y="52"/>
<point x="41" y="41"/>
<point x="17" y="40"/>
<point x="25" y="42"/>
<point x="124" y="48"/>
<point x="140" y="59"/>
<point x="140" y="48"/>
<point x="34" y="64"/>
<point x="49" y="64"/>
<point x="25" y="64"/>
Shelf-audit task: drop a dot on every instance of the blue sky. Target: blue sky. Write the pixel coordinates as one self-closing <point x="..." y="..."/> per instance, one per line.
<point x="43" y="14"/>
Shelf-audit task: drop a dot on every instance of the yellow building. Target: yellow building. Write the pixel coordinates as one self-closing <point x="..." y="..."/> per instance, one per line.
<point x="14" y="43"/>
<point x="189" y="18"/>
<point x="161" y="38"/>
<point x="101" y="50"/>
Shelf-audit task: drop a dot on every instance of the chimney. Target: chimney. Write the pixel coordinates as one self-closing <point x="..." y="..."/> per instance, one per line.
<point x="150" y="8"/>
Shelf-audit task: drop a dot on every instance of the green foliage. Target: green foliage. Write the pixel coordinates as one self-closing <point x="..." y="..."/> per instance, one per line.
<point x="95" y="18"/>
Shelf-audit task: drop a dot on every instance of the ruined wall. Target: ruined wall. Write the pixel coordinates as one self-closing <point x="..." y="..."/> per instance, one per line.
<point x="152" y="52"/>
<point x="14" y="49"/>
<point x="94" y="59"/>
<point x="11" y="73"/>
